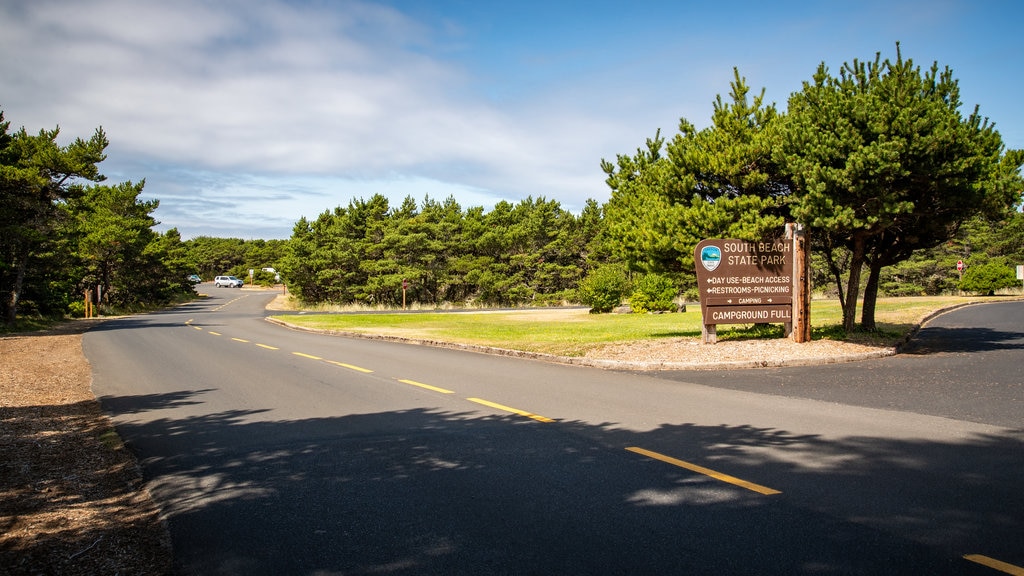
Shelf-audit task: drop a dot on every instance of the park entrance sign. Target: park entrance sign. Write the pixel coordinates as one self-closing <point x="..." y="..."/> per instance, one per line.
<point x="744" y="282"/>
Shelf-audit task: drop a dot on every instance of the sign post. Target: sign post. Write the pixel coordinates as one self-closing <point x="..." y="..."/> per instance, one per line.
<point x="744" y="282"/>
<point x="405" y="285"/>
<point x="801" y="282"/>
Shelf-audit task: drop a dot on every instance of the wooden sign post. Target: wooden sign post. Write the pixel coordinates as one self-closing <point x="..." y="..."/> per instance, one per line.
<point x="744" y="282"/>
<point x="801" y="282"/>
<point x="747" y="282"/>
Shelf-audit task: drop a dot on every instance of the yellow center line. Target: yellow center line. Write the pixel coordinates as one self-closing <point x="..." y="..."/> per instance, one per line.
<point x="350" y="367"/>
<point x="267" y="347"/>
<point x="427" y="386"/>
<point x="239" y="340"/>
<point x="198" y="327"/>
<point x="512" y="410"/>
<point x="995" y="564"/>
<point x="307" y="356"/>
<point x="215" y="333"/>
<point x="706" y="471"/>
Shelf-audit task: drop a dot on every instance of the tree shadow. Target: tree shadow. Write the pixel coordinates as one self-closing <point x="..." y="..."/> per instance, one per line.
<point x="146" y="402"/>
<point x="427" y="491"/>
<point x="938" y="339"/>
<point x="64" y="462"/>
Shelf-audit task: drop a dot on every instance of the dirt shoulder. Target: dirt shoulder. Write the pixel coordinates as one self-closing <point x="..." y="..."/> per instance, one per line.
<point x="72" y="500"/>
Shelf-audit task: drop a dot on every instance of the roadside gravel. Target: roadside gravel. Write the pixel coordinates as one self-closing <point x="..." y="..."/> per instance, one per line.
<point x="72" y="501"/>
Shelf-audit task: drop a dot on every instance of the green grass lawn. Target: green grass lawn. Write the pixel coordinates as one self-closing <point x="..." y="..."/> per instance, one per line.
<point x="574" y="332"/>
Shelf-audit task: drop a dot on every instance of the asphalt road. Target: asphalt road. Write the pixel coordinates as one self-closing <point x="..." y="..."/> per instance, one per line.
<point x="282" y="452"/>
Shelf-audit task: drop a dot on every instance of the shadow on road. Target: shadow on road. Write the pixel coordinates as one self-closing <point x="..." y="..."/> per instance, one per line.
<point x="933" y="340"/>
<point x="434" y="492"/>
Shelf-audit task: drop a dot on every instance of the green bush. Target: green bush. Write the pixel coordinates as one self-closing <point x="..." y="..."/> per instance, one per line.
<point x="76" y="309"/>
<point x="653" y="293"/>
<point x="989" y="277"/>
<point x="604" y="288"/>
<point x="691" y="295"/>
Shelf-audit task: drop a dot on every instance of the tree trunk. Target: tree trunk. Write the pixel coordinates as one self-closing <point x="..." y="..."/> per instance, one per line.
<point x="867" y="318"/>
<point x="853" y="285"/>
<point x="20" y="262"/>
<point x="837" y="274"/>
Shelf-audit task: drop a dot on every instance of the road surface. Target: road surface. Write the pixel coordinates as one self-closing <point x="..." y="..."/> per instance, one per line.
<point x="274" y="451"/>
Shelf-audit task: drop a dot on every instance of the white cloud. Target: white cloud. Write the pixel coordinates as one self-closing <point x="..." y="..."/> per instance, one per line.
<point x="273" y="91"/>
<point x="222" y="105"/>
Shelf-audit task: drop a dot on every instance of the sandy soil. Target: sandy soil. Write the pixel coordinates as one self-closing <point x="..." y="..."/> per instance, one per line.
<point x="72" y="499"/>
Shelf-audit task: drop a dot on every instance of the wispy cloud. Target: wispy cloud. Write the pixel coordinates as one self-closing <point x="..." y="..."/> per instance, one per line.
<point x="246" y="115"/>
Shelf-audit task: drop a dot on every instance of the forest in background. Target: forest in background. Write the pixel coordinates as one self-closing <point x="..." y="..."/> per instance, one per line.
<point x="893" y="182"/>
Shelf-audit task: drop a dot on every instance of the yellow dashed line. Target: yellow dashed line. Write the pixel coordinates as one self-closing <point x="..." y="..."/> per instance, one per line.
<point x="350" y="367"/>
<point x="307" y="356"/>
<point x="240" y="340"/>
<point x="512" y="410"/>
<point x="215" y="333"/>
<point x="197" y="327"/>
<point x="995" y="564"/>
<point x="706" y="471"/>
<point x="427" y="386"/>
<point x="267" y="347"/>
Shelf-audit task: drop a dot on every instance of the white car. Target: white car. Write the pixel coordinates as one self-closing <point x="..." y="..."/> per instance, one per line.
<point x="227" y="282"/>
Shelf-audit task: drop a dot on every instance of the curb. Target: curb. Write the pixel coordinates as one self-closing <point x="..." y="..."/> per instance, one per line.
<point x="627" y="365"/>
<point x="595" y="362"/>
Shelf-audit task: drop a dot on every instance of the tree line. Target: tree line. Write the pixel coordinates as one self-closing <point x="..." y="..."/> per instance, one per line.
<point x="67" y="237"/>
<point x="894" y="184"/>
<point x="532" y="252"/>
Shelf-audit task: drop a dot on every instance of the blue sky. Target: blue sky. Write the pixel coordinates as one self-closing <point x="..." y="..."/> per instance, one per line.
<point x="244" y="115"/>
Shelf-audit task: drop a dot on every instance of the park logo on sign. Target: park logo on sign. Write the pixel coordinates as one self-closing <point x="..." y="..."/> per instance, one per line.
<point x="710" y="257"/>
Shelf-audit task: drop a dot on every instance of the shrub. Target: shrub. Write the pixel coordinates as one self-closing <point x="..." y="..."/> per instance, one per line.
<point x="653" y="293"/>
<point x="989" y="277"/>
<point x="604" y="288"/>
<point x="691" y="295"/>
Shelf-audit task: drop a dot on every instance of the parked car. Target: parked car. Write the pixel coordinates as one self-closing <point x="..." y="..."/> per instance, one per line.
<point x="195" y="279"/>
<point x="227" y="282"/>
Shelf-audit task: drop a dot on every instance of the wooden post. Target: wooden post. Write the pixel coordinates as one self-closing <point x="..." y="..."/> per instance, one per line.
<point x="710" y="333"/>
<point x="801" y="283"/>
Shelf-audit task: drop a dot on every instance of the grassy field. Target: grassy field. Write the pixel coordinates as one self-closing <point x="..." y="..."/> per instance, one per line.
<point x="573" y="332"/>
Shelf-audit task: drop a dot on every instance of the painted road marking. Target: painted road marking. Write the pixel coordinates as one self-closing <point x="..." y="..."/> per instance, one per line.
<point x="307" y="356"/>
<point x="215" y="333"/>
<point x="427" y="386"/>
<point x="267" y="347"/>
<point x="240" y="340"/>
<point x="995" y="564"/>
<point x="512" y="410"/>
<point x="229" y="302"/>
<point x="350" y="367"/>
<point x="198" y="327"/>
<point x="706" y="471"/>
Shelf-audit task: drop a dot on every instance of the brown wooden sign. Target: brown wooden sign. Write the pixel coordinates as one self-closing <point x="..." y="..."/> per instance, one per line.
<point x="743" y="282"/>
